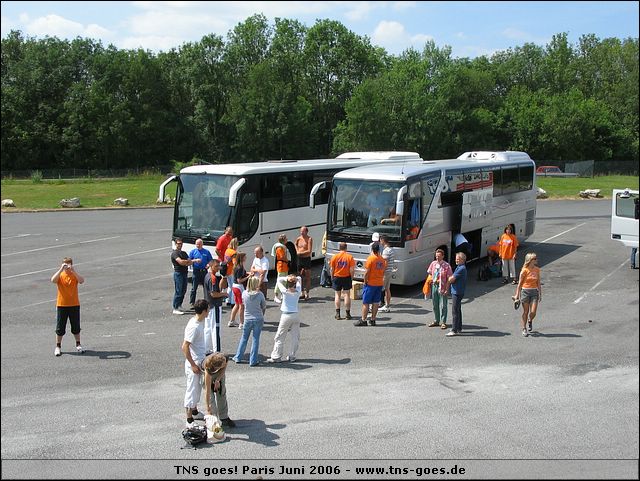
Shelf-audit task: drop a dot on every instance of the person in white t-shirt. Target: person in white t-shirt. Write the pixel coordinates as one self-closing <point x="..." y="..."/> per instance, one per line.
<point x="194" y="350"/>
<point x="260" y="268"/>
<point x="388" y="255"/>
<point x="291" y="289"/>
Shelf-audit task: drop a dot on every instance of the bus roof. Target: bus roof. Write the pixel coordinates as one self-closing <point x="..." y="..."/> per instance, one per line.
<point x="381" y="155"/>
<point x="410" y="169"/>
<point x="507" y="155"/>
<point x="354" y="159"/>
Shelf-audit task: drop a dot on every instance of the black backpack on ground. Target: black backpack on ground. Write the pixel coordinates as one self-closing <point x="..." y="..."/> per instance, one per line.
<point x="194" y="436"/>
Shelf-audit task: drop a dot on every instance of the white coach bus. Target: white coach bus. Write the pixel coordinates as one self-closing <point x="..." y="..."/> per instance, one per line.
<point x="422" y="205"/>
<point x="259" y="200"/>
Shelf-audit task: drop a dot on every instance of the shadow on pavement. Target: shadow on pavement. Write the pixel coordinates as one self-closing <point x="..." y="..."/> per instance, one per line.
<point x="103" y="354"/>
<point x="256" y="431"/>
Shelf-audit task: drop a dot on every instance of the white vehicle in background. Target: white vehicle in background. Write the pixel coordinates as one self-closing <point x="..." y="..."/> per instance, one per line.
<point x="259" y="200"/>
<point x="624" y="218"/>
<point x="422" y="205"/>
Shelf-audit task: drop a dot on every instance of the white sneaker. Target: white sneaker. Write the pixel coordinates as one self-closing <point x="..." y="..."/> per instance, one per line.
<point x="189" y="425"/>
<point x="57" y="351"/>
<point x="451" y="333"/>
<point x="385" y="308"/>
<point x="199" y="416"/>
<point x="277" y="300"/>
<point x="178" y="312"/>
<point x="241" y="326"/>
<point x="291" y="358"/>
<point x="232" y="324"/>
<point x="80" y="349"/>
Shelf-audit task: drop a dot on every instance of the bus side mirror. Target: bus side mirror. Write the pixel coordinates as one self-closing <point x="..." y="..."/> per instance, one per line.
<point x="400" y="201"/>
<point x="162" y="186"/>
<point x="314" y="191"/>
<point x="233" y="191"/>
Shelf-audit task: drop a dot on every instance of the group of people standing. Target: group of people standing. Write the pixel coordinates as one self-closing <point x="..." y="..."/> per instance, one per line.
<point x="246" y="291"/>
<point x="224" y="277"/>
<point x="443" y="280"/>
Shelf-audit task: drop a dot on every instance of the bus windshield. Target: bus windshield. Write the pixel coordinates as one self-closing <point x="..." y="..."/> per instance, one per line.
<point x="361" y="208"/>
<point x="202" y="205"/>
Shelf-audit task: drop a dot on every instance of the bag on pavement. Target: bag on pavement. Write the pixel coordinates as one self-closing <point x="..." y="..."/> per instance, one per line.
<point x="194" y="436"/>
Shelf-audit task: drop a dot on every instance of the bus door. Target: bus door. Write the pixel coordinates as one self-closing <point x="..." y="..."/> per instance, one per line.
<point x="624" y="217"/>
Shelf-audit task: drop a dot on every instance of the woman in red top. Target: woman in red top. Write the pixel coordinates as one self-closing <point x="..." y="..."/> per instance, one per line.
<point x="508" y="248"/>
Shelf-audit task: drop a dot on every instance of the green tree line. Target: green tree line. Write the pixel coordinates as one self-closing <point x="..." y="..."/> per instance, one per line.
<point x="284" y="90"/>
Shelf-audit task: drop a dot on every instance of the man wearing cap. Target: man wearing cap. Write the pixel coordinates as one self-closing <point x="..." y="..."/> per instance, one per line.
<point x="375" y="237"/>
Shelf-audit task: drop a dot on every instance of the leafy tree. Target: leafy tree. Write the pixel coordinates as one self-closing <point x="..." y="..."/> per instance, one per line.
<point x="336" y="61"/>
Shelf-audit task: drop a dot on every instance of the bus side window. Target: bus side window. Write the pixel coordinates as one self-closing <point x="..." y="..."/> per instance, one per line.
<point x="269" y="192"/>
<point x="627" y="206"/>
<point x="293" y="194"/>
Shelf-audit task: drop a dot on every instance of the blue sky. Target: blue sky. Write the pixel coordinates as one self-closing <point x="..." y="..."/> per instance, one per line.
<point x="470" y="28"/>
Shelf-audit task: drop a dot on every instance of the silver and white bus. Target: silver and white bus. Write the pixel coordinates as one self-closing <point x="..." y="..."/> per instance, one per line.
<point x="422" y="205"/>
<point x="259" y="200"/>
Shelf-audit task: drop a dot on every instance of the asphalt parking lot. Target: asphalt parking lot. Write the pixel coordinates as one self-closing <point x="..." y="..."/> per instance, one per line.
<point x="563" y="402"/>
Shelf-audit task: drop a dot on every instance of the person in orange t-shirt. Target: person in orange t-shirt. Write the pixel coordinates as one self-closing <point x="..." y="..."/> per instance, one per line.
<point x="529" y="292"/>
<point x="67" y="303"/>
<point x="223" y="243"/>
<point x="373" y="284"/>
<point x="230" y="259"/>
<point x="280" y="252"/>
<point x="508" y="247"/>
<point x="341" y="267"/>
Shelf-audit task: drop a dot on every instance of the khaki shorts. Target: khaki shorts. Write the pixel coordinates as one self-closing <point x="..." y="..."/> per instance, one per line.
<point x="386" y="281"/>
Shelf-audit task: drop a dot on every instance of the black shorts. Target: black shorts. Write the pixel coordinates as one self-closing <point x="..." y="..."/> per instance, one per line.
<point x="341" y="283"/>
<point x="304" y="263"/>
<point x="62" y="314"/>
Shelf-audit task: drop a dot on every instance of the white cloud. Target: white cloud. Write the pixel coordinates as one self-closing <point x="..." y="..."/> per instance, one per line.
<point x="359" y="10"/>
<point x="97" y="32"/>
<point x="174" y="24"/>
<point x="57" y="26"/>
<point x="395" y="39"/>
<point x="420" y="39"/>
